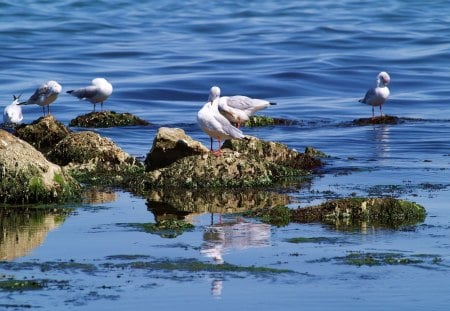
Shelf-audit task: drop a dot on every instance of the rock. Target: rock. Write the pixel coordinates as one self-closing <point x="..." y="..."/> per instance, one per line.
<point x="273" y="152"/>
<point x="90" y="151"/>
<point x="27" y="177"/>
<point x="377" y="120"/>
<point x="107" y="119"/>
<point x="43" y="133"/>
<point x="248" y="162"/>
<point x="386" y="212"/>
<point x="169" y="145"/>
<point x="258" y="121"/>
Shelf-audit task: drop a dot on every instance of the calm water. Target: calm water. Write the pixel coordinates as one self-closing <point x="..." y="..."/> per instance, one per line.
<point x="316" y="59"/>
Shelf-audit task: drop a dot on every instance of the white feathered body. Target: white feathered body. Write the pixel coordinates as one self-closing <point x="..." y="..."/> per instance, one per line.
<point x="13" y="113"/>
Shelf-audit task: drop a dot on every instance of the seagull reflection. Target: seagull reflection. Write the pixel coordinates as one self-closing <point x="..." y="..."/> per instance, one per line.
<point x="380" y="135"/>
<point x="221" y="238"/>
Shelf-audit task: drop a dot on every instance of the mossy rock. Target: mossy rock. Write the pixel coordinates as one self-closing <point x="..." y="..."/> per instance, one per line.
<point x="169" y="228"/>
<point x="385" y="212"/>
<point x="279" y="215"/>
<point x="259" y="121"/>
<point x="107" y="119"/>
<point x="381" y="212"/>
<point x="43" y="133"/>
<point x="377" y="120"/>
<point x="27" y="177"/>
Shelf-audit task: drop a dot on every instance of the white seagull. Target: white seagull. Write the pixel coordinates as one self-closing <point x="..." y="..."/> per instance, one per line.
<point x="213" y="123"/>
<point x="13" y="113"/>
<point x="378" y="95"/>
<point x="44" y="95"/>
<point x="238" y="109"/>
<point x="98" y="92"/>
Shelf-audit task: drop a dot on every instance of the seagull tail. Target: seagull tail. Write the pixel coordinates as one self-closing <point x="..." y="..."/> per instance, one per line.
<point x="272" y="103"/>
<point x="70" y="92"/>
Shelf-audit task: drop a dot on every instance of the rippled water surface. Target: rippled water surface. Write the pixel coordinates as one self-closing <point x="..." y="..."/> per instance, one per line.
<point x="315" y="59"/>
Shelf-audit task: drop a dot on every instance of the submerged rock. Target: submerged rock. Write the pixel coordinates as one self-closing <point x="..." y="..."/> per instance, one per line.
<point x="377" y="120"/>
<point x="107" y="119"/>
<point x="27" y="177"/>
<point x="387" y="212"/>
<point x="257" y="121"/>
<point x="169" y="145"/>
<point x="43" y="133"/>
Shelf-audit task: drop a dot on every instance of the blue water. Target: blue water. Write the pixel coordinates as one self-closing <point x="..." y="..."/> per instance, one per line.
<point x="315" y="59"/>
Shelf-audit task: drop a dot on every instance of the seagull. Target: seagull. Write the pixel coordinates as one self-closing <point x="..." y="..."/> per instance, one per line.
<point x="13" y="112"/>
<point x="44" y="95"/>
<point x="238" y="109"/>
<point x="98" y="92"/>
<point x="213" y="123"/>
<point x="378" y="95"/>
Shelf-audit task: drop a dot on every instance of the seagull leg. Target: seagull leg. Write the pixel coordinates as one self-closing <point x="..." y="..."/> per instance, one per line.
<point x="217" y="152"/>
<point x="94" y="107"/>
<point x="43" y="110"/>
<point x="381" y="112"/>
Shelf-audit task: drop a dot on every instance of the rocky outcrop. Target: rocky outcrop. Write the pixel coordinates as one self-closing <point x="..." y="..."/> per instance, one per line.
<point x="43" y="133"/>
<point x="26" y="176"/>
<point x="169" y="145"/>
<point x="248" y="162"/>
<point x="107" y="119"/>
<point x="90" y="151"/>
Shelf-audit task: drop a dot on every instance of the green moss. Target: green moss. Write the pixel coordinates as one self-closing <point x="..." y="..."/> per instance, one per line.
<point x="22" y="285"/>
<point x="256" y="121"/>
<point x="299" y="240"/>
<point x="107" y="119"/>
<point x="377" y="259"/>
<point x="278" y="215"/>
<point x="193" y="265"/>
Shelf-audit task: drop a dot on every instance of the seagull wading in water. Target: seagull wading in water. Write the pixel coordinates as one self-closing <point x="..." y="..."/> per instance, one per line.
<point x="98" y="92"/>
<point x="13" y="112"/>
<point x="213" y="123"/>
<point x="378" y="95"/>
<point x="44" y="95"/>
<point x="238" y="109"/>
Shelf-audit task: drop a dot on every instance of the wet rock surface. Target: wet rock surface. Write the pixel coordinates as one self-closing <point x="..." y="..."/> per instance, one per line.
<point x="26" y="176"/>
<point x="107" y="119"/>
<point x="377" y="120"/>
<point x="350" y="212"/>
<point x="43" y="133"/>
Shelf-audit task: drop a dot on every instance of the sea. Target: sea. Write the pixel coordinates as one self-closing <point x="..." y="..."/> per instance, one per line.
<point x="315" y="59"/>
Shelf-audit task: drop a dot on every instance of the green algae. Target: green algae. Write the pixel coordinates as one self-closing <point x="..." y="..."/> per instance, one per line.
<point x="378" y="259"/>
<point x="300" y="240"/>
<point x="279" y="216"/>
<point x="260" y="121"/>
<point x="193" y="265"/>
<point x="105" y="119"/>
<point x="22" y="285"/>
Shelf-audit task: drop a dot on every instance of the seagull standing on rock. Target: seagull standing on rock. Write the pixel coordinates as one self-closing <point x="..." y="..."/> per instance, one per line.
<point x="98" y="92"/>
<point x="213" y="123"/>
<point x="238" y="109"/>
<point x="378" y="95"/>
<point x="13" y="113"/>
<point x="44" y="95"/>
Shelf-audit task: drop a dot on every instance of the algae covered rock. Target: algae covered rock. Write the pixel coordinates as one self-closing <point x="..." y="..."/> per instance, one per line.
<point x="107" y="119"/>
<point x="43" y="133"/>
<point x="386" y="212"/>
<point x="169" y="145"/>
<point x="259" y="121"/>
<point x="89" y="150"/>
<point x="248" y="162"/>
<point x="27" y="177"/>
<point x="377" y="120"/>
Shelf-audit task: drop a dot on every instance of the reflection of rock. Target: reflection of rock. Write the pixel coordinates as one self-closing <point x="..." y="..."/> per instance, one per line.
<point x="183" y="201"/>
<point x="220" y="238"/>
<point x="22" y="230"/>
<point x="247" y="162"/>
<point x="98" y="196"/>
<point x="43" y="133"/>
<point x="27" y="177"/>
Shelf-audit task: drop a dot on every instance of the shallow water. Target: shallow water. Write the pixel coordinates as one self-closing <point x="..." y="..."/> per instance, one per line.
<point x="315" y="59"/>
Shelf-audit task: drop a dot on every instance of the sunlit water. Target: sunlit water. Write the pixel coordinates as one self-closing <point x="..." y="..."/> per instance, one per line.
<point x="315" y="59"/>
